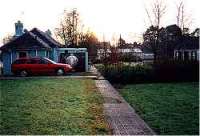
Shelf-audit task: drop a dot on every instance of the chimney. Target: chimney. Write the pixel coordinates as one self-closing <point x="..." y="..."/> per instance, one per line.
<point x="48" y="32"/>
<point x="18" y="28"/>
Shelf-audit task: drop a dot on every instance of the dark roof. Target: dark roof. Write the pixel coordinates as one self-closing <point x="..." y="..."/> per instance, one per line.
<point x="31" y="40"/>
<point x="174" y="29"/>
<point x="26" y="41"/>
<point x="188" y="42"/>
<point x="46" y="38"/>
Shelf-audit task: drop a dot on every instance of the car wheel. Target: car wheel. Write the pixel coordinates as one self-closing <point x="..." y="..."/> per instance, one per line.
<point x="23" y="73"/>
<point x="60" y="72"/>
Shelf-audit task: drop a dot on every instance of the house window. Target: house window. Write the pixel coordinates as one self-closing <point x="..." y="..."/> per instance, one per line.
<point x="194" y="55"/>
<point x="176" y="54"/>
<point x="23" y="54"/>
<point x="47" y="54"/>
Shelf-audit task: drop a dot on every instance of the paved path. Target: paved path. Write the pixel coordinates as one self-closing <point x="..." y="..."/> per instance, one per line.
<point x="120" y="115"/>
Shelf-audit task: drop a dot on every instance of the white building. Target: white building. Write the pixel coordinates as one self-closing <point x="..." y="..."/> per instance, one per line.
<point x="131" y="51"/>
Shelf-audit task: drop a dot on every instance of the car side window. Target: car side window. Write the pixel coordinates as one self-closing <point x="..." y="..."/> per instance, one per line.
<point x="16" y="62"/>
<point x="42" y="61"/>
<point x="33" y="61"/>
<point x="19" y="62"/>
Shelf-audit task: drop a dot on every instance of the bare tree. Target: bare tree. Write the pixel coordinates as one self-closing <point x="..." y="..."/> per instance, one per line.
<point x="156" y="13"/>
<point x="159" y="10"/>
<point x="183" y="21"/>
<point x="151" y="36"/>
<point x="90" y="41"/>
<point x="178" y="17"/>
<point x="7" y="38"/>
<point x="106" y="52"/>
<point x="68" y="30"/>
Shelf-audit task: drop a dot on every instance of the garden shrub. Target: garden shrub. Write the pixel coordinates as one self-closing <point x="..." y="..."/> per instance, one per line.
<point x="160" y="71"/>
<point x="125" y="73"/>
<point x="176" y="70"/>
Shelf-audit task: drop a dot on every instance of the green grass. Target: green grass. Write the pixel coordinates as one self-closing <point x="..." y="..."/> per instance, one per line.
<point x="168" y="108"/>
<point x="51" y="106"/>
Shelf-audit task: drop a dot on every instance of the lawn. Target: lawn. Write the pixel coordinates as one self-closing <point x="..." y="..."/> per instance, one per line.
<point x="51" y="106"/>
<point x="168" y="108"/>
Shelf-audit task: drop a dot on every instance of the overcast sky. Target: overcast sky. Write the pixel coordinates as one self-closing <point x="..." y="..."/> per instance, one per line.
<point x="108" y="17"/>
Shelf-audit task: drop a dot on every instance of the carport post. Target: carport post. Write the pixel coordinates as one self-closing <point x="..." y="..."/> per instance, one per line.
<point x="86" y="61"/>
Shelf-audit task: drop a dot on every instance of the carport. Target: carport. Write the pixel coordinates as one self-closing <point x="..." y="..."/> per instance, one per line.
<point x="80" y="54"/>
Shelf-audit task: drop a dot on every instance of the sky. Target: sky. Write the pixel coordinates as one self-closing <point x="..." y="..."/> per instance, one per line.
<point x="107" y="18"/>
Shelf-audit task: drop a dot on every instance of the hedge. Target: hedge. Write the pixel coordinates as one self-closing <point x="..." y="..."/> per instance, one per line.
<point x="168" y="71"/>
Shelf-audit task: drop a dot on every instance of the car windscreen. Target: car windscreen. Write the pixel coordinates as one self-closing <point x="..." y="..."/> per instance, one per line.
<point x="51" y="61"/>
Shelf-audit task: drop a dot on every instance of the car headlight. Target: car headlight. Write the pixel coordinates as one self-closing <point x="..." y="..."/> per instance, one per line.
<point x="68" y="66"/>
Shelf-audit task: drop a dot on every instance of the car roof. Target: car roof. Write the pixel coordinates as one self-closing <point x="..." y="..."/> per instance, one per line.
<point x="27" y="58"/>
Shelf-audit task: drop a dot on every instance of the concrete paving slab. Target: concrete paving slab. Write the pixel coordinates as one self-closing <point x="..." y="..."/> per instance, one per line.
<point x="120" y="115"/>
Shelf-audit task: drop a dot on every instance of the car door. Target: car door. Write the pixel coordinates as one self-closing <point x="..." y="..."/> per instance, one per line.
<point x="33" y="66"/>
<point x="43" y="67"/>
<point x="51" y="67"/>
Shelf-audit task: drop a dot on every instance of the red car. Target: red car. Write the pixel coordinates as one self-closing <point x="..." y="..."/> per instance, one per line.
<point x="38" y="66"/>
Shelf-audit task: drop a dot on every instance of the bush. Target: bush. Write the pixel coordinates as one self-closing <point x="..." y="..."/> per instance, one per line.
<point x="125" y="73"/>
<point x="176" y="70"/>
<point x="162" y="71"/>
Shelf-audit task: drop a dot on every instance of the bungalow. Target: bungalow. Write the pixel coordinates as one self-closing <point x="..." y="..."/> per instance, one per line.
<point x="33" y="43"/>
